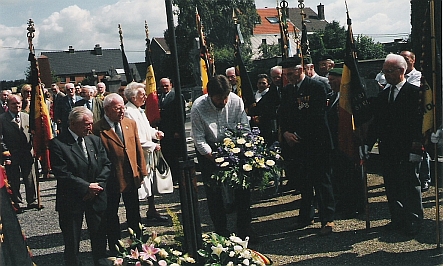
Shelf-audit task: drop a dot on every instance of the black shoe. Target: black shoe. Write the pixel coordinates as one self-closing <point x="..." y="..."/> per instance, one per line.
<point x="157" y="218"/>
<point x="392" y="227"/>
<point x="412" y="228"/>
<point x="300" y="225"/>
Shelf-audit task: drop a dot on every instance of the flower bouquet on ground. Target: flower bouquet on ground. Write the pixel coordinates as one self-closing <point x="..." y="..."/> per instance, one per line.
<point x="244" y="160"/>
<point x="220" y="251"/>
<point x="149" y="250"/>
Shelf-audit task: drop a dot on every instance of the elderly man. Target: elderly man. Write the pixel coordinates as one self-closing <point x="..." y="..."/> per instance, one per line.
<point x="277" y="81"/>
<point x="232" y="77"/>
<point x="63" y="107"/>
<point x="4" y="101"/>
<point x="210" y="114"/>
<point x="170" y="125"/>
<point x="306" y="144"/>
<point x="90" y="102"/>
<point x="136" y="95"/>
<point x="101" y="91"/>
<point x="120" y="138"/>
<point x="310" y="72"/>
<point x="397" y="127"/>
<point x="325" y="64"/>
<point x="14" y="129"/>
<point x="82" y="168"/>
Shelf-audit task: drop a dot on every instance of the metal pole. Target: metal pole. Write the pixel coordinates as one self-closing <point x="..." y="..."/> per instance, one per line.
<point x="187" y="183"/>
<point x="434" y="86"/>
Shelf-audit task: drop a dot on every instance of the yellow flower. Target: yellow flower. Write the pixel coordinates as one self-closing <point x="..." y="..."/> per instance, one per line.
<point x="249" y="153"/>
<point x="248" y="145"/>
<point x="247" y="167"/>
<point x="270" y="163"/>
<point x="235" y="150"/>
<point x="241" y="141"/>
<point x="219" y="159"/>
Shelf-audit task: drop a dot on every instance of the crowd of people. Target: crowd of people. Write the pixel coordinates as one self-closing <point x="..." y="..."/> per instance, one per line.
<point x="104" y="147"/>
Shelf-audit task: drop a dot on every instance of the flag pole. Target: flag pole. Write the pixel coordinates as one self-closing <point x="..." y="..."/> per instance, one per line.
<point x="35" y="84"/>
<point x="128" y="73"/>
<point x="434" y="86"/>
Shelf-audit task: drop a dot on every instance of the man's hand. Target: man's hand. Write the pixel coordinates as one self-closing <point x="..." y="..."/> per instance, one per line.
<point x="437" y="137"/>
<point x="159" y="135"/>
<point x="94" y="190"/>
<point x="291" y="138"/>
<point x="157" y="147"/>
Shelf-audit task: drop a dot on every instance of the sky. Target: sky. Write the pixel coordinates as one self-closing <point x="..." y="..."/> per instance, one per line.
<point x="84" y="23"/>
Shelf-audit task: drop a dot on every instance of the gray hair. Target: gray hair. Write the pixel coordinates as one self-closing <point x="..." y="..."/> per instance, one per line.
<point x="78" y="113"/>
<point x="111" y="98"/>
<point x="90" y="88"/>
<point x="229" y="69"/>
<point x="398" y="60"/>
<point x="131" y="90"/>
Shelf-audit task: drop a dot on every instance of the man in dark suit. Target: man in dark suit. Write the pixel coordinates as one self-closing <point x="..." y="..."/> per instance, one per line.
<point x="81" y="166"/>
<point x="120" y="138"/>
<point x="4" y="101"/>
<point x="263" y="112"/>
<point x="397" y="127"/>
<point x="63" y="107"/>
<point x="91" y="102"/>
<point x="170" y="126"/>
<point x="14" y="129"/>
<point x="306" y="144"/>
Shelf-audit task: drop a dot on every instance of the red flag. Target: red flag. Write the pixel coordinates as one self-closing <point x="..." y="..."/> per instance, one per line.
<point x="151" y="109"/>
<point x="43" y="131"/>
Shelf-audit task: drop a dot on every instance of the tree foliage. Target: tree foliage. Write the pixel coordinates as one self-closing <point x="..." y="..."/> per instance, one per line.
<point x="219" y="29"/>
<point x="368" y="49"/>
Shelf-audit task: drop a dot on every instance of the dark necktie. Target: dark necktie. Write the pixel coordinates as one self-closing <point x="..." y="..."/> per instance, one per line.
<point x="82" y="146"/>
<point x="72" y="102"/>
<point x="88" y="105"/>
<point x="118" y="131"/>
<point x="17" y="119"/>
<point x="391" y="94"/>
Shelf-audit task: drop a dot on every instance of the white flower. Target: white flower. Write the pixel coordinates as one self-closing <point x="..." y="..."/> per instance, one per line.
<point x="189" y="259"/>
<point x="241" y="141"/>
<point x="248" y="145"/>
<point x="230" y="264"/>
<point x="270" y="163"/>
<point x="163" y="253"/>
<point x="238" y="248"/>
<point x="224" y="164"/>
<point x="277" y="156"/>
<point x="219" y="159"/>
<point x="249" y="153"/>
<point x="247" y="167"/>
<point x="218" y="249"/>
<point x="245" y="254"/>
<point x="245" y="262"/>
<point x="177" y="253"/>
<point x="235" y="150"/>
<point x="231" y="254"/>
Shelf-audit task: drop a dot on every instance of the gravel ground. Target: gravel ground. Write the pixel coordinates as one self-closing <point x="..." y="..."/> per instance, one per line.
<point x="350" y="243"/>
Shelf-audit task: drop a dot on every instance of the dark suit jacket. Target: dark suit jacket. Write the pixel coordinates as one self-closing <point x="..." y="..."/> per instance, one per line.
<point x="74" y="172"/>
<point x="332" y="116"/>
<point x="302" y="111"/>
<point x="62" y="109"/>
<point x="15" y="138"/>
<point x="127" y="159"/>
<point x="266" y="111"/>
<point x="97" y="108"/>
<point x="169" y="122"/>
<point x="396" y="125"/>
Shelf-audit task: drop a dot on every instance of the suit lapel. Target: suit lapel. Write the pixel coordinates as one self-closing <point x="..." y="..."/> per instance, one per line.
<point x="108" y="132"/>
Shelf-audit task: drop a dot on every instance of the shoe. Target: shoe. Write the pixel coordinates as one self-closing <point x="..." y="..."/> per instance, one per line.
<point x="424" y="186"/>
<point x="17" y="208"/>
<point x="300" y="225"/>
<point x="157" y="217"/>
<point x="34" y="206"/>
<point x="326" y="229"/>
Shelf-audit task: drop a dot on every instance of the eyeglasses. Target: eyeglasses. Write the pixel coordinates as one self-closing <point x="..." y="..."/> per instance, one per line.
<point x="389" y="71"/>
<point x="119" y="109"/>
<point x="262" y="83"/>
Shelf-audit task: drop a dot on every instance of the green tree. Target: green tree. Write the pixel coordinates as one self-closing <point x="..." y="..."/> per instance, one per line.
<point x="368" y="49"/>
<point x="269" y="50"/>
<point x="216" y="16"/>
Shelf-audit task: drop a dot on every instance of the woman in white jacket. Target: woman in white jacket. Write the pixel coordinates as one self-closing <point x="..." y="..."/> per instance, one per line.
<point x="136" y="95"/>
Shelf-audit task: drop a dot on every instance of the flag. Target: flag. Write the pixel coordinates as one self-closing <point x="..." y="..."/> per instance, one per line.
<point x="244" y="85"/>
<point x="206" y="62"/>
<point x="305" y="51"/>
<point x="353" y="105"/>
<point x="128" y="72"/>
<point x="283" y="24"/>
<point x="39" y="119"/>
<point x="151" y="107"/>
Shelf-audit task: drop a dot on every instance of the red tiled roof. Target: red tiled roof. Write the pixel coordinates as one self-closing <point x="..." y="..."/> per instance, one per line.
<point x="266" y="27"/>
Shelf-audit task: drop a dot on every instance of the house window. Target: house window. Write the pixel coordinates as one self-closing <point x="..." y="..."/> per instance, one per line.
<point x="272" y="20"/>
<point x="72" y="79"/>
<point x="63" y="79"/>
<point x="263" y="41"/>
